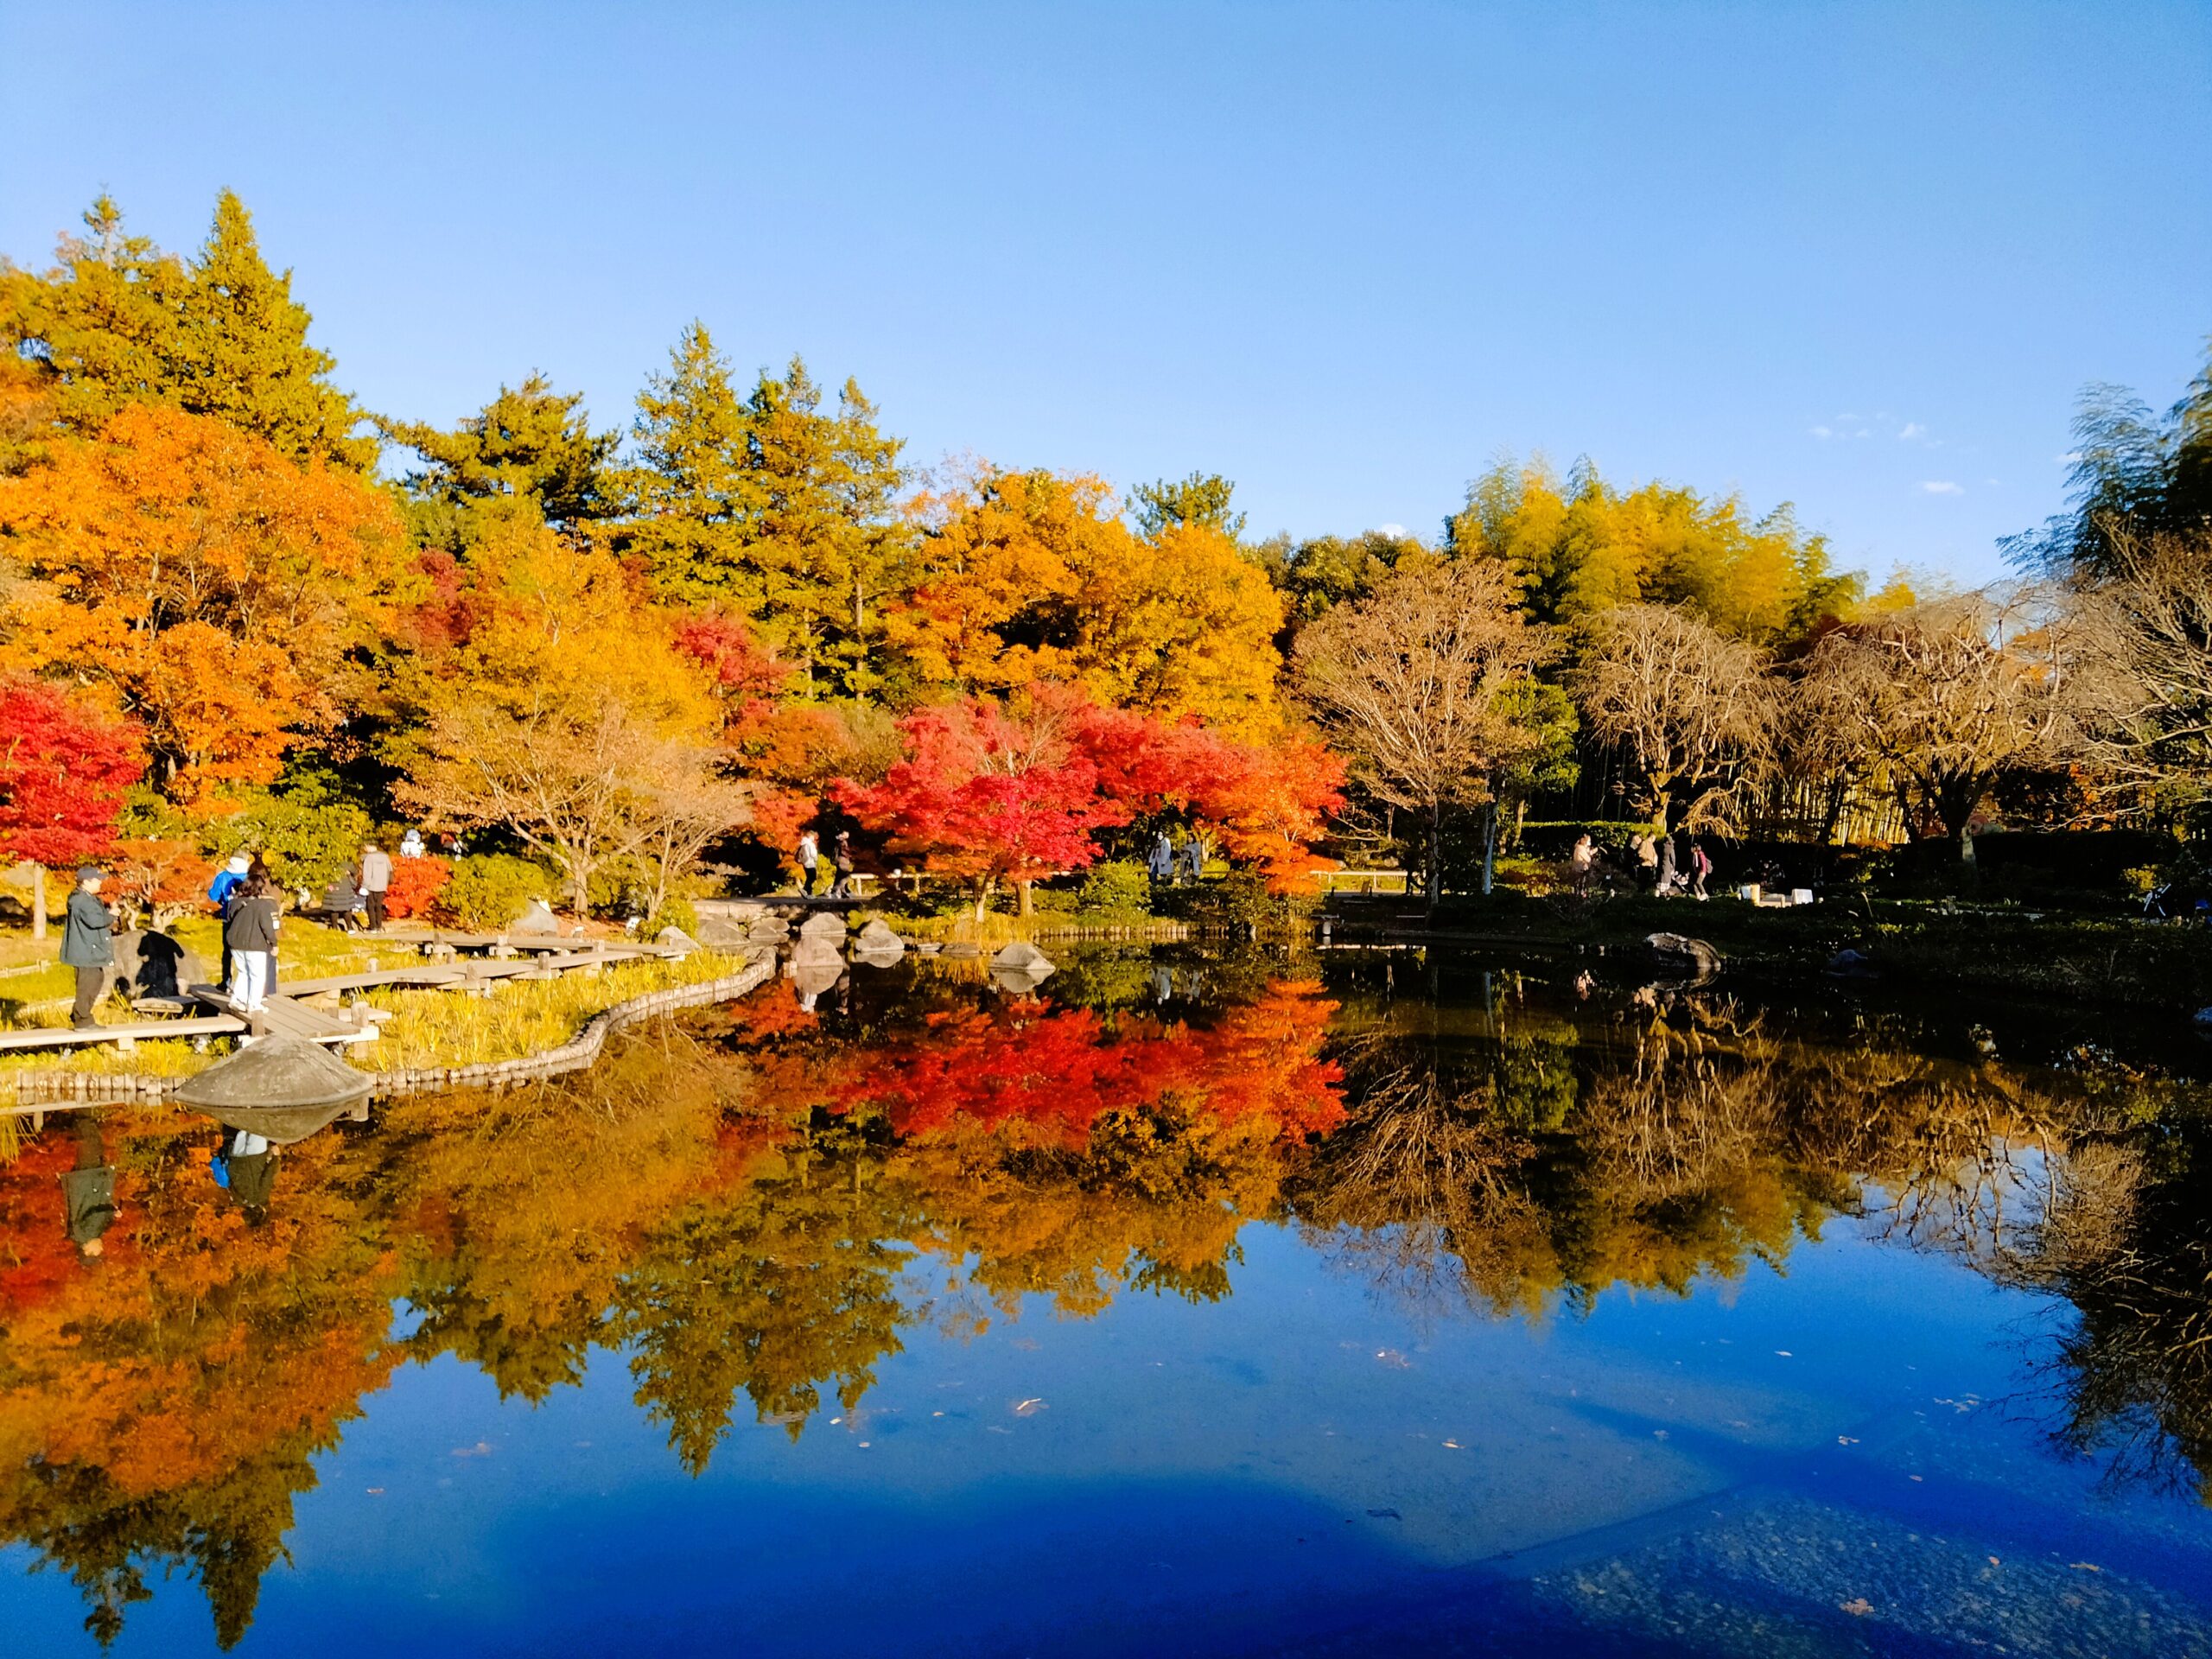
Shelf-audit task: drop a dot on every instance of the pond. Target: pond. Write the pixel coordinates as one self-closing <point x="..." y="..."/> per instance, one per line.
<point x="1189" y="1302"/>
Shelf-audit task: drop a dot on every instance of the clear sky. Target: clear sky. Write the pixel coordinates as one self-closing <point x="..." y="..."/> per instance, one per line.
<point x="1857" y="257"/>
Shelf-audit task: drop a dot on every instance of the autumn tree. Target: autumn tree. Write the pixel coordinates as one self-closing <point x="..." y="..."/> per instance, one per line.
<point x="1950" y="695"/>
<point x="2144" y="665"/>
<point x="213" y="586"/>
<point x="1691" y="708"/>
<point x="569" y="715"/>
<point x="64" y="768"/>
<point x="117" y="321"/>
<point x="1024" y="576"/>
<point x="994" y="792"/>
<point x="1416" y="685"/>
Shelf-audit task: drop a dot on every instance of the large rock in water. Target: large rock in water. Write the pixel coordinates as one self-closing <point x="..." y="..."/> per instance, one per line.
<point x="824" y="924"/>
<point x="1681" y="954"/>
<point x="1023" y="957"/>
<point x="879" y="944"/>
<point x="275" y="1072"/>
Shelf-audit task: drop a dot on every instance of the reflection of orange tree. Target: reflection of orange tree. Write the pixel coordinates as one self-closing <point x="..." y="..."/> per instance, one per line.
<point x="161" y="1406"/>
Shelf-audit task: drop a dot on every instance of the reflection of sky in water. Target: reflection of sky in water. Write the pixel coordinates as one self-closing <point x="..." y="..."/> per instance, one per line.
<point x="1841" y="1455"/>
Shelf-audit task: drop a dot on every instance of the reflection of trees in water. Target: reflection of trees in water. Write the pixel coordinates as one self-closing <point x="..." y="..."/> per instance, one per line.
<point x="757" y="1222"/>
<point x="747" y="1222"/>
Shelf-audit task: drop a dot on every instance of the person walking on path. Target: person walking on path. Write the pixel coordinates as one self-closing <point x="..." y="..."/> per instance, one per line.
<point x="1195" y="851"/>
<point x="1701" y="867"/>
<point x="251" y="936"/>
<point x="87" y="945"/>
<point x="1669" y="873"/>
<point x="1160" y="862"/>
<point x="846" y="887"/>
<point x="375" y="882"/>
<point x="1646" y="861"/>
<point x="810" y="859"/>
<point x="410" y="844"/>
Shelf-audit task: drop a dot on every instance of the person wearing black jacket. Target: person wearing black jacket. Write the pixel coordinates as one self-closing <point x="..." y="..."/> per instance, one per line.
<point x="250" y="933"/>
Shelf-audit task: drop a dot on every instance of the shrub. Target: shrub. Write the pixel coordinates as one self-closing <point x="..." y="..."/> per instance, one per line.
<point x="492" y="891"/>
<point x="416" y="885"/>
<point x="1119" y="886"/>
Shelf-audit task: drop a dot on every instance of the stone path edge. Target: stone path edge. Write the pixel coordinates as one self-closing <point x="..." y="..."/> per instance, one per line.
<point x="579" y="1051"/>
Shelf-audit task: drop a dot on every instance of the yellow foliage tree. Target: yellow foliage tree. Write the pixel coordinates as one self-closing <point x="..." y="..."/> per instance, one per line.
<point x="213" y="587"/>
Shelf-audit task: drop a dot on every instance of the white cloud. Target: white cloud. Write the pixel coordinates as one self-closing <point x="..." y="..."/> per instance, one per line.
<point x="1941" y="486"/>
<point x="1911" y="430"/>
<point x="1823" y="432"/>
<point x="1391" y="529"/>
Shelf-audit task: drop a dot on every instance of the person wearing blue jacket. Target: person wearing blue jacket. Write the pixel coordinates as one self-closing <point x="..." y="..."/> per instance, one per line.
<point x="228" y="881"/>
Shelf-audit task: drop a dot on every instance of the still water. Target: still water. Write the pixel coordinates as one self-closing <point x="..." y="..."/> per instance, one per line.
<point x="1355" y="1304"/>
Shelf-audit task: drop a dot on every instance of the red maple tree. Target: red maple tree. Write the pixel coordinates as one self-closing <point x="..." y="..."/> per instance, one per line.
<point x="64" y="768"/>
<point x="997" y="793"/>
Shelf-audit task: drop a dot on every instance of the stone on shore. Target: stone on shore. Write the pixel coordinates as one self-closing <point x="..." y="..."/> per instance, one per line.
<point x="878" y="942"/>
<point x="824" y="924"/>
<point x="1023" y="957"/>
<point x="537" y="921"/>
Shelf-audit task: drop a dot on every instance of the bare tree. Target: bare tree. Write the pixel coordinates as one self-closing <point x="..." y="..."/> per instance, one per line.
<point x="1694" y="708"/>
<point x="1413" y="684"/>
<point x="1947" y="696"/>
<point x="2144" y="686"/>
<point x="582" y="779"/>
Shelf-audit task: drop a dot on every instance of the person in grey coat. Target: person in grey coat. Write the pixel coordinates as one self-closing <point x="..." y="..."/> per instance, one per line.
<point x="87" y="945"/>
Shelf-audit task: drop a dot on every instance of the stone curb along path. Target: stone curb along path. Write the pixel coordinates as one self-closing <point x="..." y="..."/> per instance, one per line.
<point x="34" y="1088"/>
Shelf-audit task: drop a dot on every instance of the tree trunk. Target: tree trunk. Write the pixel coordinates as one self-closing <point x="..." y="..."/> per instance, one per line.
<point x="1435" y="854"/>
<point x="982" y="900"/>
<point x="1022" y="889"/>
<point x="38" y="902"/>
<point x="1490" y="846"/>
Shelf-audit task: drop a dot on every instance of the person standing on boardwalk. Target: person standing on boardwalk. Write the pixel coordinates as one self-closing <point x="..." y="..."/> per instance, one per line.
<point x="228" y="881"/>
<point x="375" y="882"/>
<point x="1579" y="864"/>
<point x="810" y="859"/>
<point x="845" y="887"/>
<point x="1701" y="867"/>
<point x="250" y="933"/>
<point x="87" y="945"/>
<point x="1161" y="861"/>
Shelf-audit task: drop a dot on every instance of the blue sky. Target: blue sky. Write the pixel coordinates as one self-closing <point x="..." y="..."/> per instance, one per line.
<point x="1859" y="258"/>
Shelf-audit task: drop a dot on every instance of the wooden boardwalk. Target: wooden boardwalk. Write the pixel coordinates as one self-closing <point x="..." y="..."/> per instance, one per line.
<point x="287" y="1011"/>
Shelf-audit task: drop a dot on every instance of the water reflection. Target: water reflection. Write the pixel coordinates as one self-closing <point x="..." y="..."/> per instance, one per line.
<point x="759" y="1211"/>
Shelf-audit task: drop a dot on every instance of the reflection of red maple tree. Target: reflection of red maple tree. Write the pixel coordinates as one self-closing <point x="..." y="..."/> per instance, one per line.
<point x="1060" y="1069"/>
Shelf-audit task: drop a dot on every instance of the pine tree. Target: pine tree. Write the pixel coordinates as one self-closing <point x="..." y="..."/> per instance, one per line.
<point x="242" y="352"/>
<point x="691" y="498"/>
<point x="529" y="442"/>
<point x="118" y="321"/>
<point x="771" y="509"/>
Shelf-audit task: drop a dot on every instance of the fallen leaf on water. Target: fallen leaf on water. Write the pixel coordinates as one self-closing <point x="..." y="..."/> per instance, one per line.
<point x="1783" y="1353"/>
<point x="1857" y="1606"/>
<point x="2085" y="1566"/>
<point x="1392" y="1356"/>
<point x="479" y="1450"/>
<point x="1993" y="1562"/>
<point x="376" y="1491"/>
<point x="1846" y="1439"/>
<point x="1028" y="1408"/>
<point x="1658" y="1434"/>
<point x="1455" y="1445"/>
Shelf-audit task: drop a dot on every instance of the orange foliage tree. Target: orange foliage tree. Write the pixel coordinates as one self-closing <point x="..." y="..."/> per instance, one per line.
<point x="212" y="585"/>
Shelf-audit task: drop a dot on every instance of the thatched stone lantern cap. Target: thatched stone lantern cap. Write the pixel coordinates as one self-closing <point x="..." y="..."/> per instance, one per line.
<point x="285" y="1079"/>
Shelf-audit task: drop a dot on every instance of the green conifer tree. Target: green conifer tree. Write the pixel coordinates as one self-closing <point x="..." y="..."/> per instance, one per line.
<point x="242" y="351"/>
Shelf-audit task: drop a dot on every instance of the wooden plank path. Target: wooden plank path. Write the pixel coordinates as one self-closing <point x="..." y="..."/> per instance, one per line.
<point x="286" y="1013"/>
